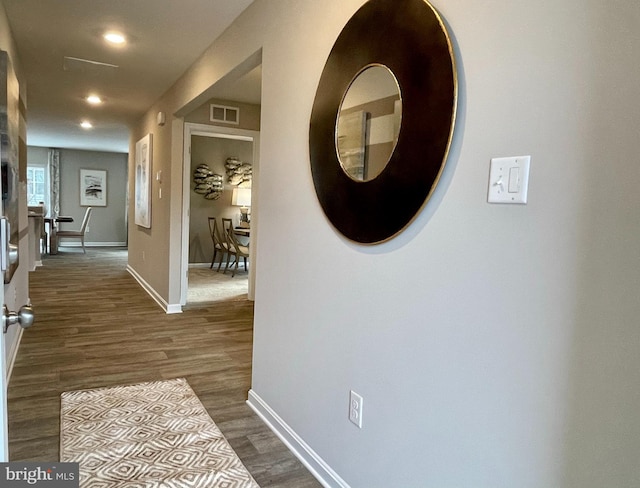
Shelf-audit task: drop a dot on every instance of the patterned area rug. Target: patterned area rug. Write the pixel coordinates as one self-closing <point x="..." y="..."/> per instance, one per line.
<point x="149" y="435"/>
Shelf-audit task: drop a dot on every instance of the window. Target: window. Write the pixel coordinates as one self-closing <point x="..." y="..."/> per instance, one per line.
<point x="37" y="185"/>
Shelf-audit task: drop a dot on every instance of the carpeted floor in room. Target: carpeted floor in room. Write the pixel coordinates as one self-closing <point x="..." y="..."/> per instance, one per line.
<point x="209" y="286"/>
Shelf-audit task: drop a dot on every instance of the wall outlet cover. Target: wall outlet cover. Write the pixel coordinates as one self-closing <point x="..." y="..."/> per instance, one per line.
<point x="355" y="408"/>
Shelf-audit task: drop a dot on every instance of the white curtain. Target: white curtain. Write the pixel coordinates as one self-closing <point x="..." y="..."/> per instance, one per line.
<point x="54" y="175"/>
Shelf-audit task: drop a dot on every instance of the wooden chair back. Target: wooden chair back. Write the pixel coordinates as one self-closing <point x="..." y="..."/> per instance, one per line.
<point x="227" y="231"/>
<point x="85" y="220"/>
<point x="216" y="238"/>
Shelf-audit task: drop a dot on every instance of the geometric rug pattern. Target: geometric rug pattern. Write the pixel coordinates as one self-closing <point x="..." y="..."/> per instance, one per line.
<point x="151" y="435"/>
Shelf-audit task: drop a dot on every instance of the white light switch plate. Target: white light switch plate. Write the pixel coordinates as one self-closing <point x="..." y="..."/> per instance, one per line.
<point x="509" y="180"/>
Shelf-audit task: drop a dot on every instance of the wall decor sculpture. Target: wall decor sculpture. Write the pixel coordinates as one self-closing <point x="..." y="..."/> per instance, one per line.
<point x="207" y="183"/>
<point x="238" y="173"/>
<point x="409" y="126"/>
<point x="144" y="150"/>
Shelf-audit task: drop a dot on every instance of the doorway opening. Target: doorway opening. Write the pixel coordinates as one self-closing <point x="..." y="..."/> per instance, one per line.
<point x="213" y="146"/>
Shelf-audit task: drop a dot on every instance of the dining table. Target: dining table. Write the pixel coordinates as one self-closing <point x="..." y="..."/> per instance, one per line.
<point x="53" y="222"/>
<point x="242" y="231"/>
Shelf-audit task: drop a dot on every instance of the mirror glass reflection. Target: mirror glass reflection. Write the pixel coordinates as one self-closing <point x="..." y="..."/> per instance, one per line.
<point x="368" y="123"/>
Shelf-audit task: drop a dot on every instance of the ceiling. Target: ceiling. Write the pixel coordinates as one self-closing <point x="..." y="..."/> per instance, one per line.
<point x="164" y="37"/>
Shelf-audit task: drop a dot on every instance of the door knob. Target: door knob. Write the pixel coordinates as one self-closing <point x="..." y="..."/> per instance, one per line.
<point x="24" y="317"/>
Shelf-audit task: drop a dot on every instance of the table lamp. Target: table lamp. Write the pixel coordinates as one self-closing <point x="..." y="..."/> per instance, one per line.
<point x="242" y="198"/>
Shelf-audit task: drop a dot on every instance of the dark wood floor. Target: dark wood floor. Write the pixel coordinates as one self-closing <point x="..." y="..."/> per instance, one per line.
<point x="96" y="327"/>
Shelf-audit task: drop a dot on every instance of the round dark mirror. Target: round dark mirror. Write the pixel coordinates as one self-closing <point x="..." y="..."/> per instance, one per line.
<point x="370" y="204"/>
<point x="368" y="123"/>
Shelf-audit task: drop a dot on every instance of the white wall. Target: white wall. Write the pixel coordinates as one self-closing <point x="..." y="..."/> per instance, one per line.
<point x="495" y="346"/>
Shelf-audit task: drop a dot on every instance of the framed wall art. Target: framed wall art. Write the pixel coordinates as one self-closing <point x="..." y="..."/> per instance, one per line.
<point x="93" y="188"/>
<point x="143" y="158"/>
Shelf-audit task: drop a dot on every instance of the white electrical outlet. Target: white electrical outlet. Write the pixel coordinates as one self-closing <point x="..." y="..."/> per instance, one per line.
<point x="355" y="408"/>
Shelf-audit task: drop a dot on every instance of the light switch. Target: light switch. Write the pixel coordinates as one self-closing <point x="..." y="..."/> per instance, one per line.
<point x="509" y="180"/>
<point x="514" y="180"/>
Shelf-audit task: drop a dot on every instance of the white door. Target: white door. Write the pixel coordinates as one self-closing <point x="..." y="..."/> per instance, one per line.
<point x="4" y="427"/>
<point x="4" y="448"/>
<point x="23" y="318"/>
<point x="10" y="133"/>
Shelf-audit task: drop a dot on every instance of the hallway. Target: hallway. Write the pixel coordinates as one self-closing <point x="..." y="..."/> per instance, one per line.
<point x="96" y="327"/>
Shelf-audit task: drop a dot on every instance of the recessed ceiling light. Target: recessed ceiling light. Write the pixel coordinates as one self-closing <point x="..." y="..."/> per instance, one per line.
<point x="94" y="100"/>
<point x="114" y="38"/>
<point x="85" y="124"/>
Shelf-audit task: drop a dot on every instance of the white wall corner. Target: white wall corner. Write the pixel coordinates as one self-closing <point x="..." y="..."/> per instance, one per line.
<point x="307" y="456"/>
<point x="169" y="308"/>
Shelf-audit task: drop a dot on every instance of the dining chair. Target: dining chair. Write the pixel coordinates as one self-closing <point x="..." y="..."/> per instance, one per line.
<point x="44" y="238"/>
<point x="227" y="225"/>
<point x="78" y="233"/>
<point x="219" y="244"/>
<point x="235" y="248"/>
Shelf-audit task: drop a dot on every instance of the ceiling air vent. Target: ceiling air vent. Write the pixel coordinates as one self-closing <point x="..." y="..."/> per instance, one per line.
<point x="222" y="113"/>
<point x="86" y="65"/>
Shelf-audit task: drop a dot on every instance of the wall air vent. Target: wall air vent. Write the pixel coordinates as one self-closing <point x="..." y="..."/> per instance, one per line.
<point x="222" y="113"/>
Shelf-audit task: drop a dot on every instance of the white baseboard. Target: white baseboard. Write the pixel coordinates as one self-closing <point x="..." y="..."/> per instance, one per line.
<point x="77" y="243"/>
<point x="167" y="307"/>
<point x="13" y="353"/>
<point x="174" y="308"/>
<point x="307" y="456"/>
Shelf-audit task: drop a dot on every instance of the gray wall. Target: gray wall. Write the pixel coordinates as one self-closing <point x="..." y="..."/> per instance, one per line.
<point x="495" y="346"/>
<point x="37" y="155"/>
<point x="108" y="224"/>
<point x="212" y="151"/>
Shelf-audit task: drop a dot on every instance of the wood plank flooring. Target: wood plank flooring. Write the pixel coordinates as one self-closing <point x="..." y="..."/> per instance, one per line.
<point x="96" y="327"/>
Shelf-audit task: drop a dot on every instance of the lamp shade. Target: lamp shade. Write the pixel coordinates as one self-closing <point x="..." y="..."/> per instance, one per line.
<point x="241" y="197"/>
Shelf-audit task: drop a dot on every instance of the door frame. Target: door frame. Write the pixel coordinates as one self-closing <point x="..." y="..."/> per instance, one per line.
<point x="193" y="129"/>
